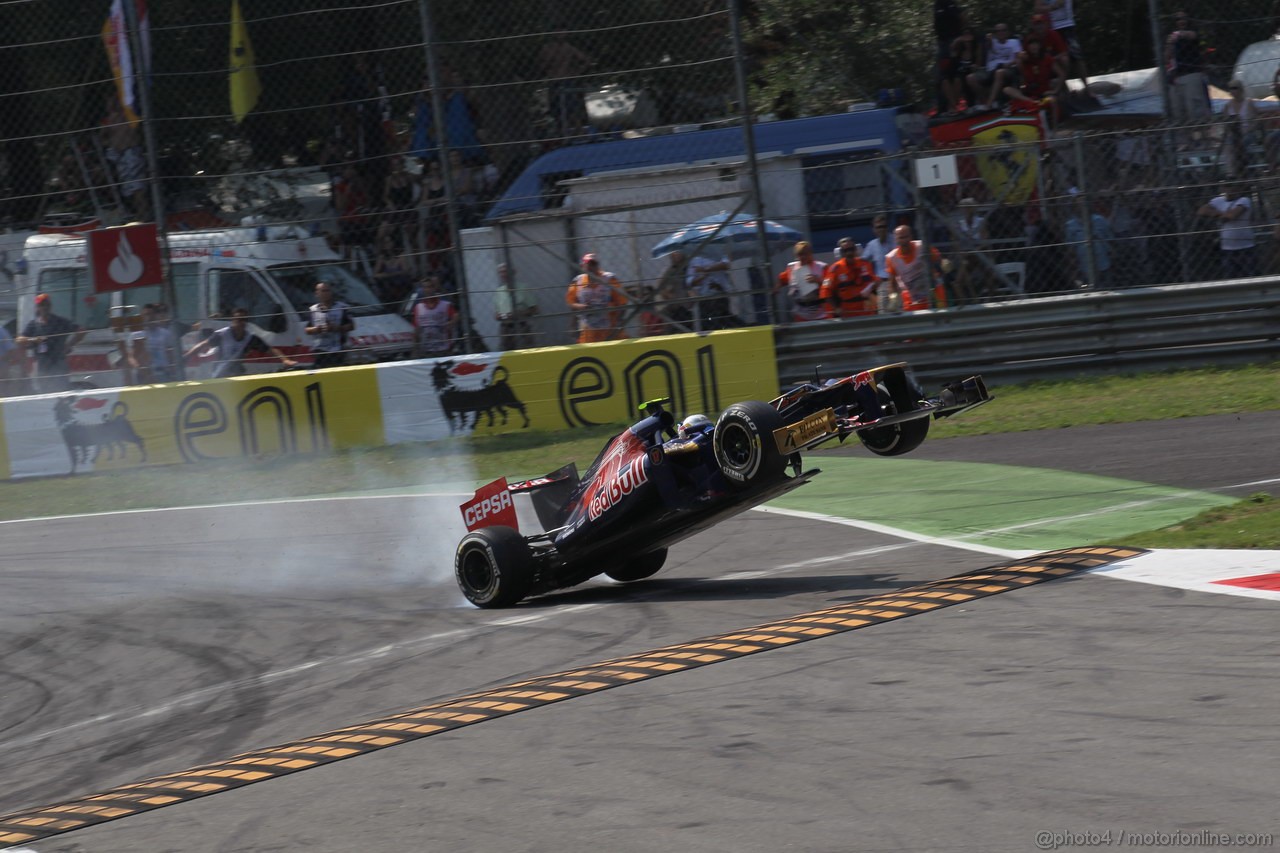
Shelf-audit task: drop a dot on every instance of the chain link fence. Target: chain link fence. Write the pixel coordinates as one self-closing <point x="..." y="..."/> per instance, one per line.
<point x="488" y="147"/>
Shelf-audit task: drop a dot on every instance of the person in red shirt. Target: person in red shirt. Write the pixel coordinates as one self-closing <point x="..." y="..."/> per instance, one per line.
<point x="1055" y="46"/>
<point x="849" y="285"/>
<point x="1037" y="73"/>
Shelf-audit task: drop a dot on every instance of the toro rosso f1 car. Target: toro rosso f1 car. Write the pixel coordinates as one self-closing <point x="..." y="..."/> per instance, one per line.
<point x="654" y="485"/>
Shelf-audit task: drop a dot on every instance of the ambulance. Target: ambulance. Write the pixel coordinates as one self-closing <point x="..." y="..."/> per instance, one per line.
<point x="269" y="270"/>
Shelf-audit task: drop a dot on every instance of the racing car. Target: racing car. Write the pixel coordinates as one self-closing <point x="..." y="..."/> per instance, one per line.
<point x="658" y="481"/>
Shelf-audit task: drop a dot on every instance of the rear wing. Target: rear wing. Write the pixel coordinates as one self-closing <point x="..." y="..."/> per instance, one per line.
<point x="492" y="504"/>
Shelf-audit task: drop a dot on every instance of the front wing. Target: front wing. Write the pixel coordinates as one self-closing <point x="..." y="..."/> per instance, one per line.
<point x="820" y="427"/>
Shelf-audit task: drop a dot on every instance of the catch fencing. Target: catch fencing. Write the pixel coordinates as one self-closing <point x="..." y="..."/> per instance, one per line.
<point x="399" y="130"/>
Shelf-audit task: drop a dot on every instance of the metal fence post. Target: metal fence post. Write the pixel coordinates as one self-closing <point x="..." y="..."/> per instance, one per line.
<point x="440" y="125"/>
<point x="149" y="142"/>
<point x="1086" y="216"/>
<point x="753" y="167"/>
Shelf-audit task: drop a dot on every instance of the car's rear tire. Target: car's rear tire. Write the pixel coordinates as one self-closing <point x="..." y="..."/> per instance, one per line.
<point x="494" y="567"/>
<point x="744" y="445"/>
<point x="896" y="439"/>
<point x="644" y="566"/>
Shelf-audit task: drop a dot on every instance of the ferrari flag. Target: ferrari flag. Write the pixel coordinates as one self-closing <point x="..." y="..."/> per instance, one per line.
<point x="245" y="88"/>
<point x="115" y="38"/>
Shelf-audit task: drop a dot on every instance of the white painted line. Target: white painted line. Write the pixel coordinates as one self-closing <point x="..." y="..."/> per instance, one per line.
<point x="267" y="502"/>
<point x="914" y="537"/>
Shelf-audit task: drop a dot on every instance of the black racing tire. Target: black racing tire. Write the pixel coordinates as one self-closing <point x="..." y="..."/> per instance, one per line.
<point x="494" y="567"/>
<point x="645" y="566"/>
<point x="744" y="445"/>
<point x="896" y="439"/>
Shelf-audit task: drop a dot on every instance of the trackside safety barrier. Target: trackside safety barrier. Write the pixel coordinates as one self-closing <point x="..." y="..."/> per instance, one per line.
<point x="299" y="412"/>
<point x="1055" y="337"/>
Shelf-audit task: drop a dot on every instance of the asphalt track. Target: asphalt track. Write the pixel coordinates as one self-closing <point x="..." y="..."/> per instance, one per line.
<point x="137" y="645"/>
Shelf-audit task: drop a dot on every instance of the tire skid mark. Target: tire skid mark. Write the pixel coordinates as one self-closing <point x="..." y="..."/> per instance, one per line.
<point x="272" y="762"/>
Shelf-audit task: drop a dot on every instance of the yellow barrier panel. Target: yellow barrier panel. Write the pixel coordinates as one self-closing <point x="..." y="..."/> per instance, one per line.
<point x="566" y="387"/>
<point x="251" y="416"/>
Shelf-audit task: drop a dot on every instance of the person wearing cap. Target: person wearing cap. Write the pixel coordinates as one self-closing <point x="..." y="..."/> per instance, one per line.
<point x="849" y="285"/>
<point x="50" y="338"/>
<point x="596" y="297"/>
<point x="1184" y="64"/>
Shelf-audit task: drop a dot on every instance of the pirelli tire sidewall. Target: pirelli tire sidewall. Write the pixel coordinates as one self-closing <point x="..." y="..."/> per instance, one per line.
<point x="494" y="567"/>
<point x="744" y="446"/>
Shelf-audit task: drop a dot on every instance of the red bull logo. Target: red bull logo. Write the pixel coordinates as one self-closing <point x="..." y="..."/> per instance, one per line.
<point x="862" y="380"/>
<point x="617" y="484"/>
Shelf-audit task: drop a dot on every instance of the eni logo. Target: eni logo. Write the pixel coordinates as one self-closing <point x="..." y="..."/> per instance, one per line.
<point x="264" y="420"/>
<point x="588" y="390"/>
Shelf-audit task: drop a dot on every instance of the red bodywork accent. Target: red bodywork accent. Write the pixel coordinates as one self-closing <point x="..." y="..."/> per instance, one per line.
<point x="490" y="505"/>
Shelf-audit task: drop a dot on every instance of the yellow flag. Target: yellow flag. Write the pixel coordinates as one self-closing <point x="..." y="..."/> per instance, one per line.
<point x="245" y="88"/>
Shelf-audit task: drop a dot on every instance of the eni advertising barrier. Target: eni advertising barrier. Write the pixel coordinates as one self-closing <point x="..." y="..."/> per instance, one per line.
<point x="312" y="412"/>
<point x="116" y="428"/>
<point x="565" y="387"/>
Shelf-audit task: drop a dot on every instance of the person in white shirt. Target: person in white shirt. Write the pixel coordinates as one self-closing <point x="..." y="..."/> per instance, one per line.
<point x="1236" y="234"/>
<point x="1002" y="60"/>
<point x="802" y="280"/>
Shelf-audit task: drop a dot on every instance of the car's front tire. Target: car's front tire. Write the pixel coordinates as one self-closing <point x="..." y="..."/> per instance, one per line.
<point x="494" y="567"/>
<point x="644" y="566"/>
<point x="744" y="445"/>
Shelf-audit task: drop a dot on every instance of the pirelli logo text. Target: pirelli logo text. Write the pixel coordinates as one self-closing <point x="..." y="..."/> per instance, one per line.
<point x="796" y="436"/>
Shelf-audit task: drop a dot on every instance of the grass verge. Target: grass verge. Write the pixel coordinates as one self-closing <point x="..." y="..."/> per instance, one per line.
<point x="1251" y="523"/>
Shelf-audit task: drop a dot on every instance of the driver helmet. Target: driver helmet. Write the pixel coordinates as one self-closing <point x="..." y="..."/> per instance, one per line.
<point x="694" y="424"/>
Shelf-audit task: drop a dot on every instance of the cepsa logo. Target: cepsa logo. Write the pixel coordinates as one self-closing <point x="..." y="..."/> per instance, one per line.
<point x="616" y="482"/>
<point x="491" y="505"/>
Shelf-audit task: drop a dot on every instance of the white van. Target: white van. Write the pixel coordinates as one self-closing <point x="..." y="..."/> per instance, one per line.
<point x="269" y="270"/>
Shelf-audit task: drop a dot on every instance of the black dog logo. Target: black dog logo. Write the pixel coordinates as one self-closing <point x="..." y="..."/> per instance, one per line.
<point x="458" y="403"/>
<point x="86" y="441"/>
